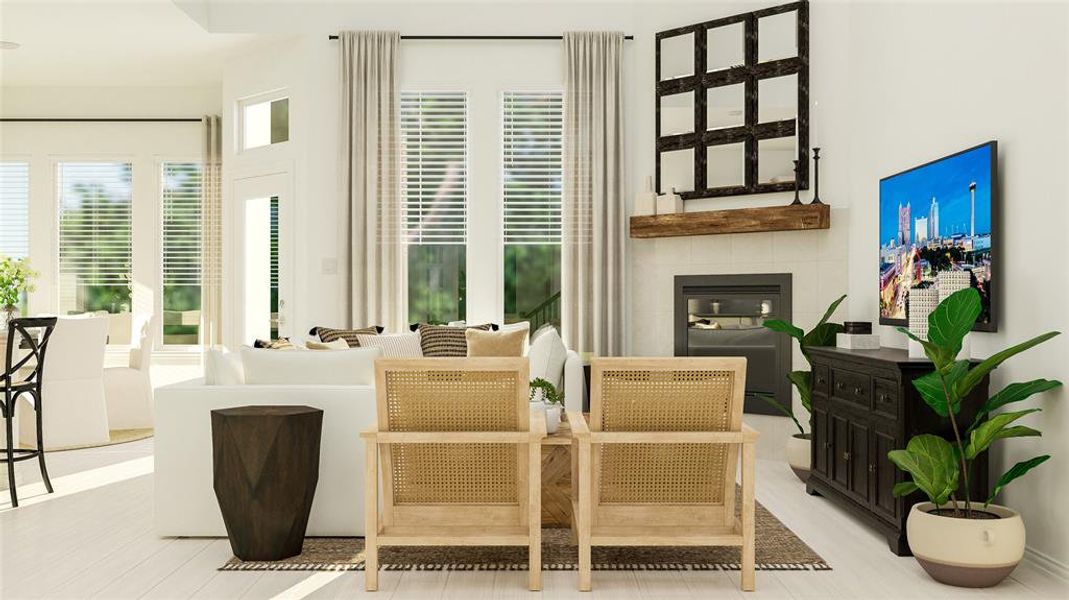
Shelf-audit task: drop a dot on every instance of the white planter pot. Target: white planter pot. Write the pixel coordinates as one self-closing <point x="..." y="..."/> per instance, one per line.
<point x="552" y="418"/>
<point x="799" y="455"/>
<point x="966" y="552"/>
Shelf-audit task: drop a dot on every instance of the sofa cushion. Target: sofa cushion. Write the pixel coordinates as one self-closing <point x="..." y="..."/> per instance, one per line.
<point x="223" y="367"/>
<point x="326" y="334"/>
<point x="495" y="343"/>
<point x="547" y="356"/>
<point x="394" y="345"/>
<point x="343" y="367"/>
<point x="445" y="341"/>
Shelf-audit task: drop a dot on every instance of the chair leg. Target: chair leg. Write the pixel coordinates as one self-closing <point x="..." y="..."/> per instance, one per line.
<point x="371" y="515"/>
<point x="39" y="411"/>
<point x="10" y="453"/>
<point x="749" y="541"/>
<point x="583" y="519"/>
<point x="534" y="517"/>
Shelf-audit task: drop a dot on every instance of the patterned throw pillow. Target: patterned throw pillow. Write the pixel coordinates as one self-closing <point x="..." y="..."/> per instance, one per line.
<point x="394" y="345"/>
<point x="279" y="344"/>
<point x="326" y="334"/>
<point x="445" y="341"/>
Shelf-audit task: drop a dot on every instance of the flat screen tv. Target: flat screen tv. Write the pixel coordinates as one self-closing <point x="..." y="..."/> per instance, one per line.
<point x="939" y="216"/>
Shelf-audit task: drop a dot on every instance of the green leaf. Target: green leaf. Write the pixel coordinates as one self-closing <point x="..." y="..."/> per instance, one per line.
<point x="803" y="382"/>
<point x="931" y="387"/>
<point x="989" y="431"/>
<point x="904" y="489"/>
<point x="781" y="326"/>
<point x="1016" y="471"/>
<point x="821" y="335"/>
<point x="953" y="319"/>
<point x="977" y="374"/>
<point x="783" y="409"/>
<point x="930" y="460"/>
<point x="935" y="354"/>
<point x="831" y="310"/>
<point x="1014" y="392"/>
<point x="1018" y="431"/>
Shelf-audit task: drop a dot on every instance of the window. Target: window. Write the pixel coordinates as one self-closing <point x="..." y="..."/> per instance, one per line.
<point x="181" y="252"/>
<point x="14" y="209"/>
<point x="94" y="238"/>
<point x="434" y="182"/>
<point x="532" y="141"/>
<point x="265" y="122"/>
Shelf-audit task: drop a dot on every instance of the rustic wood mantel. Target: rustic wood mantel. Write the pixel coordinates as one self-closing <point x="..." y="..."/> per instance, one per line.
<point x="739" y="220"/>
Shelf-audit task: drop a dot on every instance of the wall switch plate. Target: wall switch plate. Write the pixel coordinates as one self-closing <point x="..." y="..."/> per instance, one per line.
<point x="330" y="266"/>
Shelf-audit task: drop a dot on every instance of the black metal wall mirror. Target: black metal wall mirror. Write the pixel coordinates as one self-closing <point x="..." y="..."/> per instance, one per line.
<point x="733" y="104"/>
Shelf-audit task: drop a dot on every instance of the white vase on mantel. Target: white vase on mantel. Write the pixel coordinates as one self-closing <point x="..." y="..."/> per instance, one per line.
<point x="646" y="200"/>
<point x="670" y="203"/>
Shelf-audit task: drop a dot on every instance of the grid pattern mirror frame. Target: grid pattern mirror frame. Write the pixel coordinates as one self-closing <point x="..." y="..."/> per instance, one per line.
<point x="749" y="74"/>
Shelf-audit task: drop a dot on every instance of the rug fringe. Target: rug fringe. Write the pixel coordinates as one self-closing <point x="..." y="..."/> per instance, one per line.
<point x="269" y="566"/>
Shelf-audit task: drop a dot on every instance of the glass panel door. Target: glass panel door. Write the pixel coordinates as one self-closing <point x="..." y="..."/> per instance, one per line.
<point x="264" y="311"/>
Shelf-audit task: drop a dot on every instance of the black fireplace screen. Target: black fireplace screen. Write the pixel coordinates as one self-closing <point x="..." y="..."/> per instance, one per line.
<point x="723" y="315"/>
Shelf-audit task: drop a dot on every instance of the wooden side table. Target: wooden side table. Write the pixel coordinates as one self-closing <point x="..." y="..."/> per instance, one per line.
<point x="557" y="477"/>
<point x="266" y="467"/>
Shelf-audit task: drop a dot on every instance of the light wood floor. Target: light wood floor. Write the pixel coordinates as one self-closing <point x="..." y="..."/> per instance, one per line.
<point x="94" y="539"/>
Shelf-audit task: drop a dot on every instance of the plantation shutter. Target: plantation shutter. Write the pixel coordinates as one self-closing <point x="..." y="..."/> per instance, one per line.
<point x="434" y="167"/>
<point x="94" y="229"/>
<point x="182" y="218"/>
<point x="14" y="209"/>
<point x="532" y="126"/>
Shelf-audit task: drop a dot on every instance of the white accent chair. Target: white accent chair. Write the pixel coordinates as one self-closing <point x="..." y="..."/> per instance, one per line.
<point x="128" y="390"/>
<point x="72" y="386"/>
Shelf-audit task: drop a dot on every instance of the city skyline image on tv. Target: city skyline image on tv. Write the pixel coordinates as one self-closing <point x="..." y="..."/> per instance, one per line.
<point x="933" y="218"/>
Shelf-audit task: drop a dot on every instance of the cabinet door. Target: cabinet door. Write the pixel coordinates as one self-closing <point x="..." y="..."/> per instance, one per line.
<point x="858" y="461"/>
<point x="840" y="451"/>
<point x="883" y="476"/>
<point x="821" y="443"/>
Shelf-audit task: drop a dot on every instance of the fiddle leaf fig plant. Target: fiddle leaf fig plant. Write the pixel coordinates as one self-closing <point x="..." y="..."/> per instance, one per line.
<point x="822" y="334"/>
<point x="938" y="467"/>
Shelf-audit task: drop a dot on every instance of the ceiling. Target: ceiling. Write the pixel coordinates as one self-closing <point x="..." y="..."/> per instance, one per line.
<point x="110" y="43"/>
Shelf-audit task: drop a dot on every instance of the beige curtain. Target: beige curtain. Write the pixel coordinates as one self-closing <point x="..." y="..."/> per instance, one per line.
<point x="370" y="173"/>
<point x="592" y="286"/>
<point x="211" y="291"/>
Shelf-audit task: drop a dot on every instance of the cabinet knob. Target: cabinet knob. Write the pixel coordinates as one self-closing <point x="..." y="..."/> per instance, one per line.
<point x="857" y="391"/>
<point x="838" y="385"/>
<point x="827" y="445"/>
<point x="883" y="397"/>
<point x="872" y="468"/>
<point x="846" y="456"/>
<point x="820" y="379"/>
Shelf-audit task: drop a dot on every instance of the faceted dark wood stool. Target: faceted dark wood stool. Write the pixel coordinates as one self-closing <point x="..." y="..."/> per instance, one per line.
<point x="22" y="376"/>
<point x="266" y="461"/>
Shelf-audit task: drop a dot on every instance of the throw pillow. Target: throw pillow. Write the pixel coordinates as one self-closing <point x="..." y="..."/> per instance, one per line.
<point x="338" y="344"/>
<point x="394" y="345"/>
<point x="547" y="356"/>
<point x="222" y="367"/>
<point x="525" y="326"/>
<point x="495" y="343"/>
<point x="326" y="334"/>
<point x="279" y="344"/>
<point x="445" y="341"/>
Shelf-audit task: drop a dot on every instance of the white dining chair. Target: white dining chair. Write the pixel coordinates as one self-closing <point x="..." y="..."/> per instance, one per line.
<point x="72" y="387"/>
<point x="128" y="389"/>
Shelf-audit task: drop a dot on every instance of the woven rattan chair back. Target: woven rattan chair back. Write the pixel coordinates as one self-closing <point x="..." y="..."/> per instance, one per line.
<point x="666" y="394"/>
<point x="468" y="394"/>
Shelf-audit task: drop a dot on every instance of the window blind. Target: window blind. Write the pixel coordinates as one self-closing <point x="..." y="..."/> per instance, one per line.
<point x="532" y="143"/>
<point x="14" y="209"/>
<point x="434" y="138"/>
<point x="94" y="235"/>
<point x="182" y="218"/>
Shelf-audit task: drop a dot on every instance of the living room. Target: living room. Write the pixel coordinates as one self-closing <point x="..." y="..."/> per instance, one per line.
<point x="556" y="196"/>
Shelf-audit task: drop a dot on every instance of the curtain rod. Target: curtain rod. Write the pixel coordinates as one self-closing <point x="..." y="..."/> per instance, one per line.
<point x="482" y="37"/>
<point x="99" y="120"/>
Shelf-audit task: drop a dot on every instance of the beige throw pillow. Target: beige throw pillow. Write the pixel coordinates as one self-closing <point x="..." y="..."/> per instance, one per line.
<point x="338" y="344"/>
<point x="495" y="343"/>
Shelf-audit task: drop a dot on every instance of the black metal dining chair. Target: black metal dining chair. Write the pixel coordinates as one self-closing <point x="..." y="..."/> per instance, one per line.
<point x="22" y="375"/>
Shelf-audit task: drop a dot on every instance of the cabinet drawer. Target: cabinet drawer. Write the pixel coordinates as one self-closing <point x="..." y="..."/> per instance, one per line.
<point x="852" y="387"/>
<point x="885" y="396"/>
<point x="821" y="379"/>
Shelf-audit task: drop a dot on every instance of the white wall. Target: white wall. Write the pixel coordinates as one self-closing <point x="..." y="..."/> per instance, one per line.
<point x="925" y="81"/>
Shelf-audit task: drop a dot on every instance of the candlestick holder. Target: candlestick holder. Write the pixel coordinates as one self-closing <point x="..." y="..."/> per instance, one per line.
<point x="797" y="200"/>
<point x="816" y="176"/>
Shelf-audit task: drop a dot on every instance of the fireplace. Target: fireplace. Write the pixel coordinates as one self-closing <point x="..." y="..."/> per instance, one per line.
<point x="722" y="315"/>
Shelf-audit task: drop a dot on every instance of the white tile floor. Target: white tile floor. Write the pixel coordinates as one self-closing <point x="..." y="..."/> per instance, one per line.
<point x="94" y="539"/>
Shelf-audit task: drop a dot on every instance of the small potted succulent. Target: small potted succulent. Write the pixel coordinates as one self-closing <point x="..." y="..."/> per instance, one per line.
<point x="545" y="397"/>
<point x="957" y="540"/>
<point x="16" y="279"/>
<point x="799" y="453"/>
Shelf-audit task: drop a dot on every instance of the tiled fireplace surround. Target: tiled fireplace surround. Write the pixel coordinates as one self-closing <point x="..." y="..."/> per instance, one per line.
<point x="816" y="259"/>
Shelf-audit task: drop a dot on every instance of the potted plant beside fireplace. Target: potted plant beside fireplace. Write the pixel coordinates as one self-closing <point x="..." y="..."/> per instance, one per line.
<point x="959" y="541"/>
<point x="799" y="453"/>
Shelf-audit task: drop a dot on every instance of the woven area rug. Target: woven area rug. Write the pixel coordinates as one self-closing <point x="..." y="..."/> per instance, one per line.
<point x="778" y="549"/>
<point x="116" y="436"/>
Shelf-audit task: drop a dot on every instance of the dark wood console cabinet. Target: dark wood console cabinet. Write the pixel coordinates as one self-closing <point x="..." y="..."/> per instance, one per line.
<point x="865" y="405"/>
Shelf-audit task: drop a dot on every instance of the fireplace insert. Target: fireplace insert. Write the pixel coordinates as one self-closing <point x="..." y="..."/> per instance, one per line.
<point x="722" y="315"/>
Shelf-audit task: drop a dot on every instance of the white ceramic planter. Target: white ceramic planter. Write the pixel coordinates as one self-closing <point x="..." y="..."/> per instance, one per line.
<point x="799" y="455"/>
<point x="966" y="552"/>
<point x="552" y="412"/>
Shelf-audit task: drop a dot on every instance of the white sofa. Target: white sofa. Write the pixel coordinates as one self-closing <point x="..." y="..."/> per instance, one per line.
<point x="185" y="503"/>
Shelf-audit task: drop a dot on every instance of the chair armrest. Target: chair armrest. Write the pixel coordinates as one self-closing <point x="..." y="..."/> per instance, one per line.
<point x="538" y="425"/>
<point x="370" y="432"/>
<point x="452" y="437"/>
<point x="577" y="422"/>
<point x="673" y="437"/>
<point x="751" y="433"/>
<point x="574" y="381"/>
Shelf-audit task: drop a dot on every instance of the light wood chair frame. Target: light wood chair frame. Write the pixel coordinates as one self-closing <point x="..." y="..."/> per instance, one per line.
<point x="454" y="524"/>
<point x="594" y="524"/>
